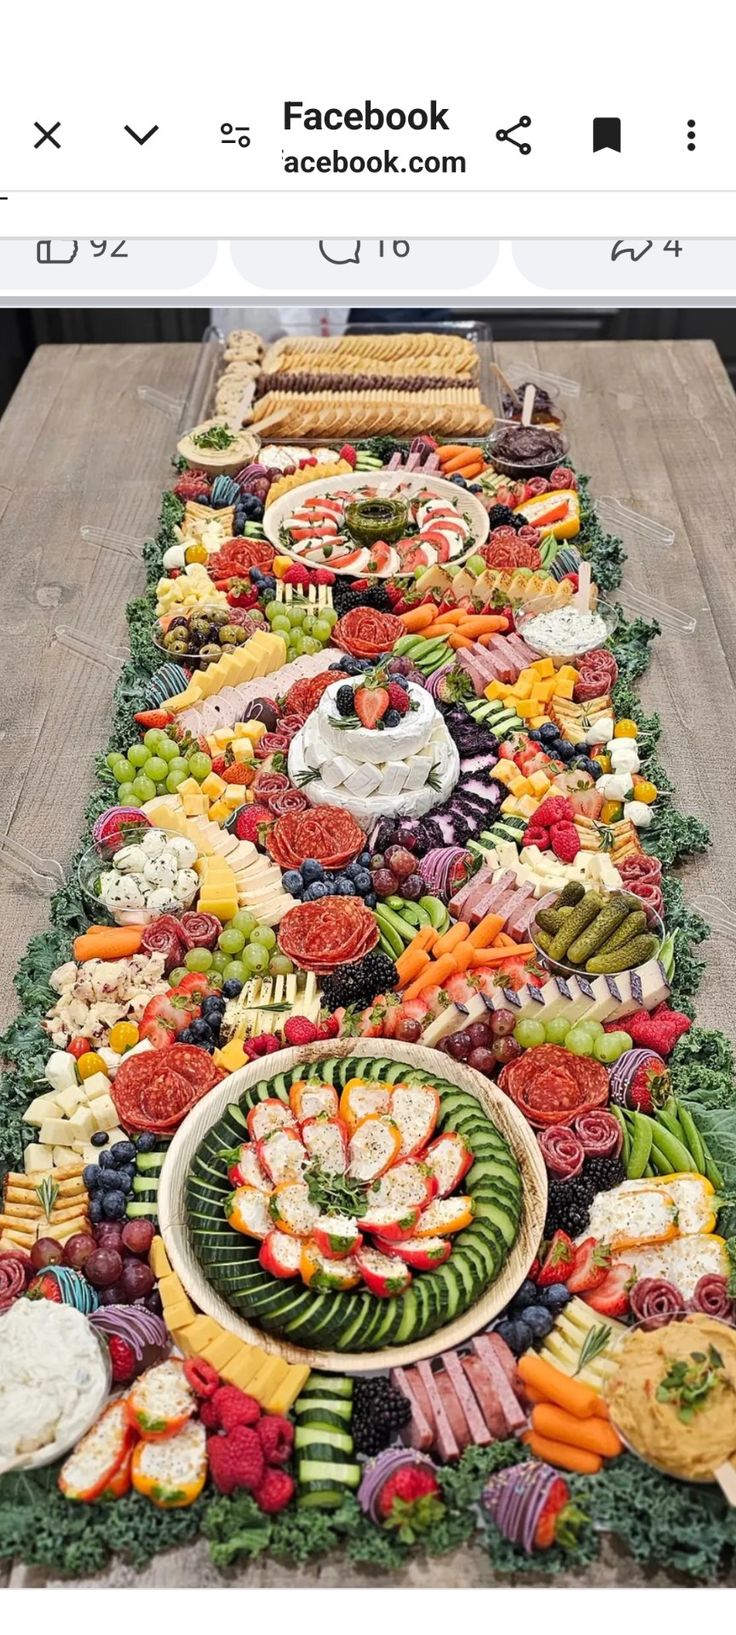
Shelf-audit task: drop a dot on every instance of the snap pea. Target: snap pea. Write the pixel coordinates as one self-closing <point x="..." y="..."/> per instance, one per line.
<point x="668" y="1116"/>
<point x="597" y="934"/>
<point x="711" y="1171"/>
<point x="641" y="1146"/>
<point x="624" y="1128"/>
<point x="692" y="1136"/>
<point x="632" y="926"/>
<point x="589" y="908"/>
<point x="669" y="1152"/>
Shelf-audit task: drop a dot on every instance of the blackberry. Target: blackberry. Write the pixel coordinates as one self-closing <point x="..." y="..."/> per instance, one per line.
<point x="379" y="1413"/>
<point x="601" y="1174"/>
<point x="500" y="516"/>
<point x="568" y="1206"/>
<point x="345" y="599"/>
<point x="345" y="700"/>
<point x="359" y="983"/>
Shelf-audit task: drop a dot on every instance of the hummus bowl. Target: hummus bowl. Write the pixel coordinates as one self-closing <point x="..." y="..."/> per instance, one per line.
<point x="672" y="1399"/>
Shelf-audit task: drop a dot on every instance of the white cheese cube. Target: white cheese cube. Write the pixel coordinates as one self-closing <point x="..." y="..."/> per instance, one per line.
<point x="70" y="1099"/>
<point x="82" y="1124"/>
<point x="416" y="774"/>
<point x="104" y="1113"/>
<point x="55" y="1132"/>
<point x="365" y="780"/>
<point x="393" y="777"/>
<point x="649" y="985"/>
<point x="581" y="997"/>
<point x="37" y="1157"/>
<point x="97" y="1084"/>
<point x="449" y="1020"/>
<point x="555" y="998"/>
<point x="607" y="998"/>
<point x="336" y="770"/>
<point x="40" y="1108"/>
<point x="62" y="1156"/>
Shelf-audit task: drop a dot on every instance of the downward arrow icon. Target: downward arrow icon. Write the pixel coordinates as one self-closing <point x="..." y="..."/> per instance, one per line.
<point x="141" y="140"/>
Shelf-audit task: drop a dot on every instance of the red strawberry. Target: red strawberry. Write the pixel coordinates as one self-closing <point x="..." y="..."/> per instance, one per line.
<point x="558" y="1261"/>
<point x="559" y="1522"/>
<point x="371" y="704"/>
<point x="239" y="772"/>
<point x="591" y="1266"/>
<point x="123" y="1359"/>
<point x="349" y="454"/>
<point x="300" y="1031"/>
<point x="234" y="1407"/>
<point x="153" y="718"/>
<point x="611" y="1298"/>
<point x="275" y="1491"/>
<point x="44" y="1287"/>
<point x="219" y="765"/>
<point x="276" y="1437"/>
<point x="410" y="1502"/>
<point x="248" y="823"/>
<point x="565" y="841"/>
<point x="329" y="1028"/>
<point x="398" y="698"/>
<point x="649" y="1086"/>
<point x="236" y="1460"/>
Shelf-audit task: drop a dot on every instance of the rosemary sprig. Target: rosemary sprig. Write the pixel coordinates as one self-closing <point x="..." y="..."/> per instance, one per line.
<point x="595" y="1341"/>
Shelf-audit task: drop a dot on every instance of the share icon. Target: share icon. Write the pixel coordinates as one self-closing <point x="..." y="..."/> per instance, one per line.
<point x="508" y="135"/>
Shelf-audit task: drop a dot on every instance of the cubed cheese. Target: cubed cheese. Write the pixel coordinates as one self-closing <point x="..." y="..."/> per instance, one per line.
<point x="393" y="778"/>
<point x="69" y="1100"/>
<point x="363" y="781"/>
<point x="104" y="1113"/>
<point x="37" y="1158"/>
<point x="55" y="1132"/>
<point x="41" y="1108"/>
<point x="83" y="1122"/>
<point x="97" y="1084"/>
<point x="336" y="770"/>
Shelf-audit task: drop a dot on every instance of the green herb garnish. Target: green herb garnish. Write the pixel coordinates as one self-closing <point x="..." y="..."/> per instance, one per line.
<point x="687" y="1385"/>
<point x="216" y="437"/>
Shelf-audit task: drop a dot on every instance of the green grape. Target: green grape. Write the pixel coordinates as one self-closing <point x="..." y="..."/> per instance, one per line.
<point x="177" y="975"/>
<point x="255" y="959"/>
<point x="180" y="763"/>
<point x="612" y="1045"/>
<point x="144" y="787"/>
<point x="310" y="644"/>
<point x="297" y="644"/>
<point x="579" y="1041"/>
<point x="152" y="739"/>
<point x="121" y="770"/>
<point x="328" y="616"/>
<point x="125" y="793"/>
<point x="242" y="921"/>
<point x="112" y="759"/>
<point x="596" y="1028"/>
<point x="297" y="613"/>
<point x="138" y="755"/>
<point x="155" y="768"/>
<point x="220" y="961"/>
<point x="133" y="801"/>
<point x="529" y="1033"/>
<point x="263" y="935"/>
<point x="308" y="625"/>
<point x="174" y="780"/>
<point x="281" y="623"/>
<point x="198" y="959"/>
<point x="321" y="630"/>
<point x="476" y="565"/>
<point x="231" y="942"/>
<point x="557" y="1029"/>
<point x="235" y="971"/>
<point x="169" y="750"/>
<point x="279" y="965"/>
<point x="274" y="610"/>
<point x="200" y="766"/>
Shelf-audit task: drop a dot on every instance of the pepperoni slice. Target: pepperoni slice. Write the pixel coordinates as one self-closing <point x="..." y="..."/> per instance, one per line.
<point x="366" y="633"/>
<point x="326" y="933"/>
<point x="551" y="1086"/>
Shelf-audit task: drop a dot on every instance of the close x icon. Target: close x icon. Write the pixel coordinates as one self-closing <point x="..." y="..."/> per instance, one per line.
<point x="47" y="135"/>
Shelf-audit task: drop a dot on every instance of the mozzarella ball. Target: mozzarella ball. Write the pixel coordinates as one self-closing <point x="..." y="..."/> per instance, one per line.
<point x="184" y="851"/>
<point x="162" y="900"/>
<point x="186" y="887"/>
<point x="154" y="842"/>
<point x="638" y="814"/>
<point x="130" y="860"/>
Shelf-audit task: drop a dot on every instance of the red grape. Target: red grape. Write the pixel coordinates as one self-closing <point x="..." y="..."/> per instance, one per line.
<point x="137" y="1279"/>
<point x="400" y="862"/>
<point x="480" y="1034"/>
<point x="384" y="884"/>
<point x="109" y="1234"/>
<point x="408" y="1030"/>
<point x="46" y="1252"/>
<point x="483" y="1060"/>
<point x="138" y="1236"/>
<point x="114" y="1296"/>
<point x="103" y="1268"/>
<point x="412" y="888"/>
<point x="505" y="1050"/>
<point x="78" y="1249"/>
<point x="503" y="1022"/>
<point x="458" y="1045"/>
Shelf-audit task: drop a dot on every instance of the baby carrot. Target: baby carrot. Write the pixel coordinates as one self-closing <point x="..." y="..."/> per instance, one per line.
<point x="557" y="1387"/>
<point x="593" y="1434"/>
<point x="426" y="938"/>
<point x="453" y="615"/>
<point x="503" y="940"/>
<point x="486" y="931"/>
<point x="562" y="1455"/>
<point x="109" y="942"/>
<point x="435" y="973"/>
<point x="469" y="457"/>
<point x="411" y="963"/>
<point x="449" y="941"/>
<point x="456" y="640"/>
<point x="496" y="956"/>
<point x="479" y="624"/>
<point x="418" y="618"/>
<point x="449" y="450"/>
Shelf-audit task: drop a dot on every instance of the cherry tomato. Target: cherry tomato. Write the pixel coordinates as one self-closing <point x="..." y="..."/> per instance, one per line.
<point x="79" y="1046"/>
<point x="123" y="1036"/>
<point x="88" y="1063"/>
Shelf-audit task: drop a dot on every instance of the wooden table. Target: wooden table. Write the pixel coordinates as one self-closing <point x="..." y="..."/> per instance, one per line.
<point x="655" y="425"/>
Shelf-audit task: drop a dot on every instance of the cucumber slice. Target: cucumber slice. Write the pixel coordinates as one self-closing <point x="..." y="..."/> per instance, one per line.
<point x="323" y="1470"/>
<point x="322" y="1443"/>
<point x="327" y="1385"/>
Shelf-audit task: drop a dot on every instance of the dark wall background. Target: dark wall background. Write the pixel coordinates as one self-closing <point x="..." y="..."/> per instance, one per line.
<point x="22" y="330"/>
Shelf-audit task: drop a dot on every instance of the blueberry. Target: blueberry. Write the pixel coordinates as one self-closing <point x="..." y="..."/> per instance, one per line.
<point x="123" y="1152"/>
<point x="518" y="1336"/>
<point x="401" y="681"/>
<point x="199" y="1030"/>
<point x="526" y="1295"/>
<point x="365" y="860"/>
<point x="595" y="770"/>
<point x="547" y="733"/>
<point x="146" y="1142"/>
<point x="370" y="899"/>
<point x="113" y="1205"/>
<point x="125" y="1181"/>
<point x="292" y="882"/>
<point x="316" y="890"/>
<point x="311" y="870"/>
<point x="186" y="1037"/>
<point x="555" y="1296"/>
<point x="230" y="989"/>
<point x="344" y="887"/>
<point x="539" y="1320"/>
<point x="392" y="718"/>
<point x="91" y="1177"/>
<point x="351" y="871"/>
<point x="460" y="481"/>
<point x="565" y="751"/>
<point x="362" y="882"/>
<point x="99" y="1138"/>
<point x="213" y="1005"/>
<point x="349" y="666"/>
<point x="535" y="733"/>
<point x="94" y="1209"/>
<point x="106" y="1160"/>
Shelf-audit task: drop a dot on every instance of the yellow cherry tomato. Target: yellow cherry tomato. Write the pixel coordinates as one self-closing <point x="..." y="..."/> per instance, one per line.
<point x="626" y="729"/>
<point x="281" y="565"/>
<point x="645" y="791"/>
<point x="611" y="811"/>
<point x="90" y="1063"/>
<point x="123" y="1037"/>
<point x="604" y="761"/>
<point x="195" y="553"/>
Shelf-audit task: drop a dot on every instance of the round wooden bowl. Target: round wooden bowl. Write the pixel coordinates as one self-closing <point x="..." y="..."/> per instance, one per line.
<point x="511" y="1124"/>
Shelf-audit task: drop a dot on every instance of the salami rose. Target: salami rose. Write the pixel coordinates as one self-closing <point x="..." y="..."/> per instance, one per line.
<point x="268" y="783"/>
<point x="15" y="1272"/>
<point x="287" y="800"/>
<point x="366" y="633"/>
<point x="711" y="1296"/>
<point x="599" y="1133"/>
<point x="551" y="1086"/>
<point x="199" y="930"/>
<point x="272" y="743"/>
<point x="562" y="1151"/>
<point x="654" y="1301"/>
<point x="165" y="936"/>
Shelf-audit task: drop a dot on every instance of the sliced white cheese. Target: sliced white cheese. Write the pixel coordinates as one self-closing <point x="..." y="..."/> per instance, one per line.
<point x="393" y="777"/>
<point x="42" y="1107"/>
<point x="364" y="780"/>
<point x="416" y="774"/>
<point x="336" y="770"/>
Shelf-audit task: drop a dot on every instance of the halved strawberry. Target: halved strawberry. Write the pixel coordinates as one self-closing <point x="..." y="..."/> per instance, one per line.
<point x="611" y="1299"/>
<point x="591" y="1266"/>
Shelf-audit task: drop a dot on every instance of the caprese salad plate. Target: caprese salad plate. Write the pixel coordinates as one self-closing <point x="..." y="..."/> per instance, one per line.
<point x="385" y="524"/>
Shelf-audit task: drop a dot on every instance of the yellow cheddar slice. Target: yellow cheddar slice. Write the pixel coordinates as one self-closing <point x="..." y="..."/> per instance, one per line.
<point x="192" y="1337"/>
<point x="222" y="1350"/>
<point x="158" y="1259"/>
<point x="287" y="1392"/>
<point x="179" y="1314"/>
<point x="244" y="1366"/>
<point x="269" y="1377"/>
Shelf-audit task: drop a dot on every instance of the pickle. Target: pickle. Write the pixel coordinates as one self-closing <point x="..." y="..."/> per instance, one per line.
<point x="615" y="911"/>
<point x="548" y="919"/>
<point x="633" y="953"/>
<point x="571" y="894"/>
<point x="587" y="909"/>
<point x="545" y="941"/>
<point x="632" y="926"/>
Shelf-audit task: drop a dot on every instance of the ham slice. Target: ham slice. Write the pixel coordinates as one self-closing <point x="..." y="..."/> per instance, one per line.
<point x="527" y="913"/>
<point x="419" y="1432"/>
<point x="487" y="1396"/>
<point x="494" y="1360"/>
<point x="526" y="654"/>
<point x="445" y="1440"/>
<point x="454" y="1410"/>
<point x="480" y="1432"/>
<point x="485" y="874"/>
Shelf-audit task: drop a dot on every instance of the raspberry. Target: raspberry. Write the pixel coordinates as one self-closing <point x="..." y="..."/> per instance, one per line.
<point x="123" y="1359"/>
<point x="276" y="1437"/>
<point x="236" y="1460"/>
<point x="555" y="809"/>
<point x="398" y="698"/>
<point x="219" y="765"/>
<point x="565" y="841"/>
<point x="323" y="576"/>
<point x="348" y="453"/>
<point x="209" y="1415"/>
<point x="537" y="837"/>
<point x="263" y="1044"/>
<point x="248" y="823"/>
<point x="297" y="575"/>
<point x="234" y="1407"/>
<point x="299" y="1031"/>
<point x="238" y="773"/>
<point x="203" y="1378"/>
<point x="275" y="1491"/>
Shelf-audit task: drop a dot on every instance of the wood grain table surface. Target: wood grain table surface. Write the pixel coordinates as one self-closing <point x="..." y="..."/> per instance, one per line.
<point x="655" y="426"/>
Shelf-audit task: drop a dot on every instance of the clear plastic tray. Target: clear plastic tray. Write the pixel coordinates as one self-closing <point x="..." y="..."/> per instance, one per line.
<point x="194" y="406"/>
<point x="517" y="375"/>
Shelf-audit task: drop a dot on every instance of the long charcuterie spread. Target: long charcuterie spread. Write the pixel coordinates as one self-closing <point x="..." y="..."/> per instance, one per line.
<point x="367" y="1181"/>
